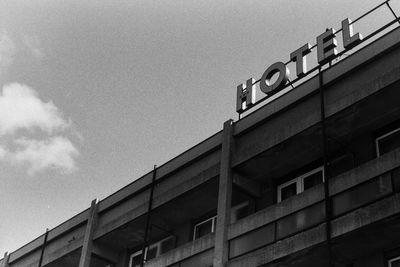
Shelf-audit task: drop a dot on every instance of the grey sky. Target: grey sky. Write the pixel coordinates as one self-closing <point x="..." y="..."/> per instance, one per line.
<point x="135" y="83"/>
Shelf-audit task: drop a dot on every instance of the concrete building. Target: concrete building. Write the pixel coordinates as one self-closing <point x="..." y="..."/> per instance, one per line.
<point x="310" y="179"/>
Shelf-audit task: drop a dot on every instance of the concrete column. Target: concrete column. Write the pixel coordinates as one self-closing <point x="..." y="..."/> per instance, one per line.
<point x="5" y="260"/>
<point x="224" y="197"/>
<point x="87" y="247"/>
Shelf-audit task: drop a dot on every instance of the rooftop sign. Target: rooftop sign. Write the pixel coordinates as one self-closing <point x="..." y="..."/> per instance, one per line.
<point x="326" y="44"/>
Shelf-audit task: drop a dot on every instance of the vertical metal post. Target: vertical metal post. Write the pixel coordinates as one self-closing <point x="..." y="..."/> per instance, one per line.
<point x="221" y="248"/>
<point x="5" y="260"/>
<point x="325" y="149"/>
<point x="87" y="247"/>
<point x="148" y="218"/>
<point x="43" y="248"/>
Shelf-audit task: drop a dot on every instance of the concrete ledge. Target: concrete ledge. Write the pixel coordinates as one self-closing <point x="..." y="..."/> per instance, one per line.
<point x="361" y="217"/>
<point x="186" y="186"/>
<point x="31" y="261"/>
<point x="25" y="250"/>
<point x="276" y="212"/>
<point x="281" y="248"/>
<point x="183" y="252"/>
<point x="367" y="215"/>
<point x="64" y="245"/>
<point x="53" y="236"/>
<point x="365" y="172"/>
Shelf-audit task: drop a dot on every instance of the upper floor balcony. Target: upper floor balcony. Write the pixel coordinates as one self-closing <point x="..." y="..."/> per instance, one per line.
<point x="365" y="204"/>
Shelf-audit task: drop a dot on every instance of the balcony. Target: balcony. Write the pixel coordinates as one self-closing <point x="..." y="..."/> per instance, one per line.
<point x="366" y="196"/>
<point x="364" y="199"/>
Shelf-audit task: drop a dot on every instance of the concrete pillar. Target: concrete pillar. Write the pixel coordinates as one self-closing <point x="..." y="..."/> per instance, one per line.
<point x="5" y="260"/>
<point x="87" y="247"/>
<point x="224" y="197"/>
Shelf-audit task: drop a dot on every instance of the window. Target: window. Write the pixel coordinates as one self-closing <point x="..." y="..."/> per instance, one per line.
<point x="135" y="258"/>
<point x="387" y="142"/>
<point x="301" y="183"/>
<point x="395" y="262"/>
<point x="205" y="227"/>
<point x="152" y="251"/>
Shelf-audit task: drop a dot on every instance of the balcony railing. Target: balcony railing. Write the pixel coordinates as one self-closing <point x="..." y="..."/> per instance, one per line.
<point x="373" y="185"/>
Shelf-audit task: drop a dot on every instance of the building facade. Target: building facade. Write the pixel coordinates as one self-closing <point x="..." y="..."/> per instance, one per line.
<point x="310" y="179"/>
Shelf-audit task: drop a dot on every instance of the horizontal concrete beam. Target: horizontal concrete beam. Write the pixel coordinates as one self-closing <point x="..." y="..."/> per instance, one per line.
<point x="64" y="245"/>
<point x="361" y="217"/>
<point x="282" y="248"/>
<point x="276" y="212"/>
<point x="365" y="172"/>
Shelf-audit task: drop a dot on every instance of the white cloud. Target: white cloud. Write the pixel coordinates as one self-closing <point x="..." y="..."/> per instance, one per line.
<point x="7" y="51"/>
<point x="56" y="152"/>
<point x="21" y="108"/>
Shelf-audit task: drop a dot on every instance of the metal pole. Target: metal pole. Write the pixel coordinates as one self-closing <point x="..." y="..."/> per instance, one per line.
<point x="326" y="170"/>
<point x="43" y="247"/>
<point x="146" y="233"/>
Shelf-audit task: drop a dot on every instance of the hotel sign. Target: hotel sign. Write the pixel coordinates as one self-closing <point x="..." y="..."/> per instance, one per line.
<point x="326" y="51"/>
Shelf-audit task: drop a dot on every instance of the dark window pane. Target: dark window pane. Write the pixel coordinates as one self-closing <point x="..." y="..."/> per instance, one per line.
<point x="203" y="229"/>
<point x="313" y="180"/>
<point x="288" y="191"/>
<point x="136" y="260"/>
<point x="151" y="253"/>
<point x="389" y="143"/>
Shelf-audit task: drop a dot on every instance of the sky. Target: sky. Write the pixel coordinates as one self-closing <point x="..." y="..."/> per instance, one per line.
<point x="94" y="93"/>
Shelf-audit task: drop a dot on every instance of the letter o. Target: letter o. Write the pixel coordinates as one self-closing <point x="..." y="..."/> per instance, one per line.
<point x="279" y="84"/>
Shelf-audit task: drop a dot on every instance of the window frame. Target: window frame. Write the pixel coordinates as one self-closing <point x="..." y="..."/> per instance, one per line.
<point x="213" y="225"/>
<point x="139" y="252"/>
<point x="392" y="260"/>
<point x="299" y="180"/>
<point x="378" y="154"/>
<point x="146" y="250"/>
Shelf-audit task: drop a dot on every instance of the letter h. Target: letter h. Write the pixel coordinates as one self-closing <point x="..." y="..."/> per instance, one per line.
<point x="246" y="95"/>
